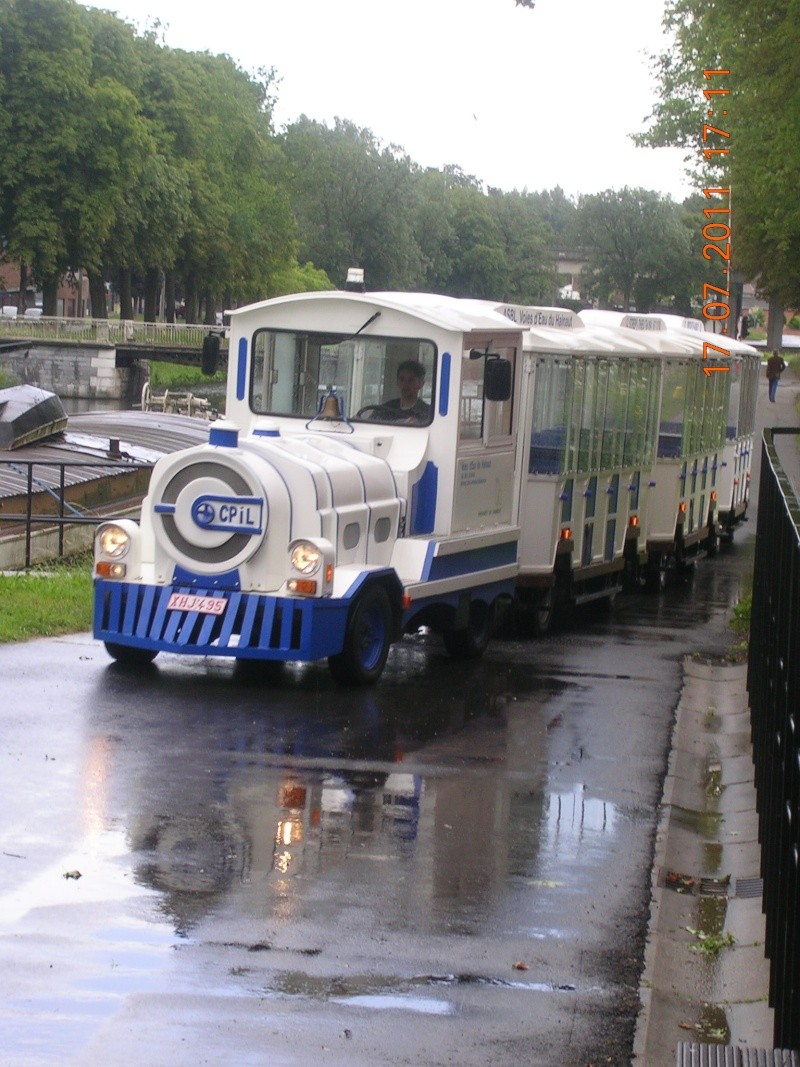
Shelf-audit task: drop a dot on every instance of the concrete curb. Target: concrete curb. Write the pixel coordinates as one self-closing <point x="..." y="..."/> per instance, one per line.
<point x="705" y="878"/>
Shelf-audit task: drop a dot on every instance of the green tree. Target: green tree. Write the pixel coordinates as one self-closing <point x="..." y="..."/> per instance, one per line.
<point x="560" y="214"/>
<point x="44" y="53"/>
<point x="354" y="200"/>
<point x="758" y="45"/>
<point x="639" y="249"/>
<point x="529" y="242"/>
<point x="434" y="230"/>
<point x="480" y="263"/>
<point x="215" y="119"/>
<point x="73" y="140"/>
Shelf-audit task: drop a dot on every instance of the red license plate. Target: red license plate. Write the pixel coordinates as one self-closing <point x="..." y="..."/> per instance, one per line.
<point x="206" y="605"/>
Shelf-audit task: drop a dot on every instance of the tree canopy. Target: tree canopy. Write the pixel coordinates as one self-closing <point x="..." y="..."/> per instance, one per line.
<point x="757" y="44"/>
<point x="641" y="247"/>
<point x="159" y="171"/>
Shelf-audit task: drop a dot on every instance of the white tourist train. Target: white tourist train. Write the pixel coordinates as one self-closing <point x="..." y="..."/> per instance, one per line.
<point x="391" y="460"/>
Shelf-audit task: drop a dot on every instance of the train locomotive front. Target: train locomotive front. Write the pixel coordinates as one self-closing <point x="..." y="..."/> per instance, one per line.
<point x="321" y="519"/>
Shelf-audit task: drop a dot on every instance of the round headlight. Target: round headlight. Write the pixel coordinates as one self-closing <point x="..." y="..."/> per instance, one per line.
<point x="305" y="557"/>
<point x="113" y="541"/>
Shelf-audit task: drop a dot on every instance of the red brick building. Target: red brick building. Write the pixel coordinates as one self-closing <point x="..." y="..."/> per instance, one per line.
<point x="73" y="298"/>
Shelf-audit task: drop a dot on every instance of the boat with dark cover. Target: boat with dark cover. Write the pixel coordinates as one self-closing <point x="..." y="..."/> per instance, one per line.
<point x="29" y="414"/>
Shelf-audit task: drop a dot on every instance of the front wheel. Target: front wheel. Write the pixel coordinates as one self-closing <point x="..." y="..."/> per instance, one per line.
<point x="130" y="657"/>
<point x="367" y="640"/>
<point x="471" y="642"/>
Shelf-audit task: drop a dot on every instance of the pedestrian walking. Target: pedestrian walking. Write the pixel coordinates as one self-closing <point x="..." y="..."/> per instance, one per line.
<point x="776" y="365"/>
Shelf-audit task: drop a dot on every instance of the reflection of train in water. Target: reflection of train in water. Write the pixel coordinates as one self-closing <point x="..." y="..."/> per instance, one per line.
<point x="531" y="454"/>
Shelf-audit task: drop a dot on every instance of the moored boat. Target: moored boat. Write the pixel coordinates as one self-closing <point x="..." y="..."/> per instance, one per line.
<point x="29" y="414"/>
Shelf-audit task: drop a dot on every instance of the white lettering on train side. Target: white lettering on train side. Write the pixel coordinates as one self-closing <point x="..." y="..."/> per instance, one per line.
<point x="562" y="320"/>
<point x="636" y="322"/>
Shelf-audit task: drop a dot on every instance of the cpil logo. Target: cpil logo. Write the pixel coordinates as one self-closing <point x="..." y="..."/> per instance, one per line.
<point x="229" y="514"/>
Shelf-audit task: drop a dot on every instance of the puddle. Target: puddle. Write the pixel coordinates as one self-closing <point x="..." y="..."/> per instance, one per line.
<point x="705" y="823"/>
<point x="712" y="851"/>
<point x="399" y="1003"/>
<point x="712" y="1026"/>
<point x="711" y="915"/>
<point x="392" y="992"/>
<point x="712" y="780"/>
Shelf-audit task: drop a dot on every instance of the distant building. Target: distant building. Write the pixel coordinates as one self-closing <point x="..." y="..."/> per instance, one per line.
<point x="72" y="298"/>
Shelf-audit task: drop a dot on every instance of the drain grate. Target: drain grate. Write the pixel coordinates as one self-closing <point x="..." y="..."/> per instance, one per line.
<point x="749" y="888"/>
<point x="692" y="1054"/>
<point x="740" y="888"/>
<point x="714" y="887"/>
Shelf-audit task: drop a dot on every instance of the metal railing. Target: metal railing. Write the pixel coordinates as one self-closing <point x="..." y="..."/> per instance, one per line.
<point x="106" y="332"/>
<point x="45" y="486"/>
<point x="773" y="682"/>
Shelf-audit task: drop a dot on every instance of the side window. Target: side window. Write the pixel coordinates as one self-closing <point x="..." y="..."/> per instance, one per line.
<point x="673" y="406"/>
<point x="478" y="416"/>
<point x="471" y="403"/>
<point x="551" y="405"/>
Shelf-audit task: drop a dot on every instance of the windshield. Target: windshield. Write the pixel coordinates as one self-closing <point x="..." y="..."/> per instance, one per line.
<point x="378" y="379"/>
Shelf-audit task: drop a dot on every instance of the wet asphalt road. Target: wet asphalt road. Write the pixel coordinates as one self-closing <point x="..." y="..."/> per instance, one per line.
<point x="449" y="868"/>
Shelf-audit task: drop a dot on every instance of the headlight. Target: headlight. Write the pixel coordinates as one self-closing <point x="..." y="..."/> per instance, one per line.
<point x="310" y="567"/>
<point x="113" y="541"/>
<point x="305" y="557"/>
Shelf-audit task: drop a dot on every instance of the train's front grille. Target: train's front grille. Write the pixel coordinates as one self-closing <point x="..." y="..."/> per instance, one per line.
<point x="248" y="621"/>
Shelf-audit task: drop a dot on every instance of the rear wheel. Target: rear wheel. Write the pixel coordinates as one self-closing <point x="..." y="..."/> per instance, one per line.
<point x="543" y="614"/>
<point x="130" y="657"/>
<point x="712" y="543"/>
<point x="656" y="572"/>
<point x="632" y="574"/>
<point x="367" y="640"/>
<point x="471" y="642"/>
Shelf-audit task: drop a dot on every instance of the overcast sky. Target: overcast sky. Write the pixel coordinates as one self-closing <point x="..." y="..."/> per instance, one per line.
<point x="520" y="98"/>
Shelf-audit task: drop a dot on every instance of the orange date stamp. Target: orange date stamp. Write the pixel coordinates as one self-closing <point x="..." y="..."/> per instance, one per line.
<point x="717" y="229"/>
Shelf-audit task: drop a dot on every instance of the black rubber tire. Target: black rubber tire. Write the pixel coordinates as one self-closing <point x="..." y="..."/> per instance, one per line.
<point x="471" y="642"/>
<point x="543" y="616"/>
<point x="655" y="579"/>
<point x="130" y="657"/>
<point x="712" y="542"/>
<point x="367" y="640"/>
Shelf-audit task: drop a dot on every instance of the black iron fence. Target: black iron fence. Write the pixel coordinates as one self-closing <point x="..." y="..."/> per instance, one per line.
<point x="45" y="503"/>
<point x="773" y="682"/>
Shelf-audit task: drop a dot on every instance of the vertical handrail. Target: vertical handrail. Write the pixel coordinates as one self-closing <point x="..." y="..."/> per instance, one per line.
<point x="61" y="483"/>
<point x="28" y="517"/>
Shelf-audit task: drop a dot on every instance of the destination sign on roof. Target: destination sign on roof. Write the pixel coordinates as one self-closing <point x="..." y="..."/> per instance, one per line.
<point x="560" y="318"/>
<point x="642" y="322"/>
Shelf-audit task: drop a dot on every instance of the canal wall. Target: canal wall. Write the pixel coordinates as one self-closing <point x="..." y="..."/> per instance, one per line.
<point x="75" y="372"/>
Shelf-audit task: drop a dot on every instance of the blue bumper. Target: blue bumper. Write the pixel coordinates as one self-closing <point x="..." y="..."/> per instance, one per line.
<point x="253" y="626"/>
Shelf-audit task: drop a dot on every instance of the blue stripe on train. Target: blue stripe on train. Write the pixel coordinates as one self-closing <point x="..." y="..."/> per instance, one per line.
<point x="471" y="561"/>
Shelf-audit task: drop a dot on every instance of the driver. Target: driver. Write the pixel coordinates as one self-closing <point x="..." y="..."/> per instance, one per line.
<point x="410" y="379"/>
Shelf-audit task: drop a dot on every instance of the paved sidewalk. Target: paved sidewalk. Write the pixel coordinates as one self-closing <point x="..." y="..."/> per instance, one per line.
<point x="706" y="886"/>
<point x="706" y="882"/>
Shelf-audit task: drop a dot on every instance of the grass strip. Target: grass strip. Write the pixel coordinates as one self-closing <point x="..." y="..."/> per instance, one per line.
<point x="46" y="601"/>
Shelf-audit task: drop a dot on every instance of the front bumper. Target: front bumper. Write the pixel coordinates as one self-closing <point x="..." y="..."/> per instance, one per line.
<point x="253" y="625"/>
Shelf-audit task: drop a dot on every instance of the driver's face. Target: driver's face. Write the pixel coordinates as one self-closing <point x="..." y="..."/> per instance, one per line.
<point x="408" y="385"/>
